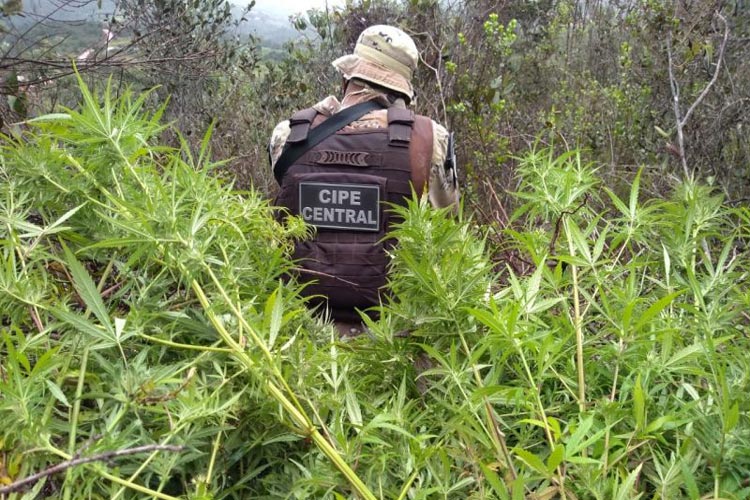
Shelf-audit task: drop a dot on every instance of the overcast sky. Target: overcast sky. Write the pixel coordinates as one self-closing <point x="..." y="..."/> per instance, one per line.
<point x="293" y="6"/>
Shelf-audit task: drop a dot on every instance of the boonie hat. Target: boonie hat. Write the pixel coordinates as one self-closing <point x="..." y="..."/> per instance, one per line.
<point x="385" y="56"/>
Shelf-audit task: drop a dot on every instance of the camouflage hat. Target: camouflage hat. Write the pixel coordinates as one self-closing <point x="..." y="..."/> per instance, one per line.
<point x="385" y="56"/>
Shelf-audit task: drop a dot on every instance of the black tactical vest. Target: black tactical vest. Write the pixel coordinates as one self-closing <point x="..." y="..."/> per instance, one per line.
<point x="344" y="186"/>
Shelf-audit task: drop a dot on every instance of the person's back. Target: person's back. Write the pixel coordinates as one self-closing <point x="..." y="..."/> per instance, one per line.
<point x="344" y="182"/>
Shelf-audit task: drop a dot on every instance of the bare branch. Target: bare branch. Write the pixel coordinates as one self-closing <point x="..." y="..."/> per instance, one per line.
<point x="102" y="457"/>
<point x="681" y="120"/>
<point x="676" y="105"/>
<point x="84" y="66"/>
<point x="437" y="72"/>
<point x="39" y="22"/>
<point x="716" y="71"/>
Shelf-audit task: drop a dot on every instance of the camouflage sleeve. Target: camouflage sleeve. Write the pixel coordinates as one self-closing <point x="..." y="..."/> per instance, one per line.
<point x="278" y="139"/>
<point x="443" y="183"/>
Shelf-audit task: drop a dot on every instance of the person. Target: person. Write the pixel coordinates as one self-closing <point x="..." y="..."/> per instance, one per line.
<point x="341" y="164"/>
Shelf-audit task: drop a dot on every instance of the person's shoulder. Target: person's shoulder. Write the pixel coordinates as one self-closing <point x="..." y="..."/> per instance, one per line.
<point x="327" y="107"/>
<point x="278" y="138"/>
<point x="280" y="131"/>
<point x="438" y="129"/>
<point x="440" y="136"/>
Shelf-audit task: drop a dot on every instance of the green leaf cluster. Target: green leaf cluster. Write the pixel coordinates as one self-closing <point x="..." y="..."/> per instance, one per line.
<point x="144" y="301"/>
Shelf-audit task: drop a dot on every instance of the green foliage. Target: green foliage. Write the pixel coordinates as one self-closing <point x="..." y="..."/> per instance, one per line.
<point x="144" y="303"/>
<point x="653" y="405"/>
<point x="106" y="223"/>
<point x="479" y="102"/>
<point x="592" y="76"/>
<point x="439" y="268"/>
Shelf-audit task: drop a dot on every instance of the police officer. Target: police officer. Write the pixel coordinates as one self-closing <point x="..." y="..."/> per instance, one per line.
<point x="340" y="165"/>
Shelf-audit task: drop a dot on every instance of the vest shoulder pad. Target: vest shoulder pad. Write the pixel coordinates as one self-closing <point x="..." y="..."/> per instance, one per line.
<point x="300" y="123"/>
<point x="400" y="122"/>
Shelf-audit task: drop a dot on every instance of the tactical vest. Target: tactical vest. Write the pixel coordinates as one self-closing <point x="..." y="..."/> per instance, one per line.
<point x="344" y="186"/>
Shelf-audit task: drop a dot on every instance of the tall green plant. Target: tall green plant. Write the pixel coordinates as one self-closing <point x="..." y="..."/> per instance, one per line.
<point x="180" y="256"/>
<point x="146" y="323"/>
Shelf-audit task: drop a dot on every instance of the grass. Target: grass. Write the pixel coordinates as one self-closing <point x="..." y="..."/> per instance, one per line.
<point x="144" y="304"/>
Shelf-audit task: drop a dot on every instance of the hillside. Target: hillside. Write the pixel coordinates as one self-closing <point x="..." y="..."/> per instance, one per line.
<point x="84" y="18"/>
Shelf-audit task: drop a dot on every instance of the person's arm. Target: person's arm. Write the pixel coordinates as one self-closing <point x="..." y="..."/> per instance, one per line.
<point x="328" y="106"/>
<point x="278" y="139"/>
<point x="443" y="183"/>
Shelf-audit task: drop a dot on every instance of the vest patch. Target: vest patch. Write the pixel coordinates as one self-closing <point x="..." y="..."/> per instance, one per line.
<point x="353" y="207"/>
<point x="351" y="158"/>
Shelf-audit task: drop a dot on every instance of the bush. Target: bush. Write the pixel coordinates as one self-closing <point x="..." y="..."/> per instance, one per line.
<point x="152" y="348"/>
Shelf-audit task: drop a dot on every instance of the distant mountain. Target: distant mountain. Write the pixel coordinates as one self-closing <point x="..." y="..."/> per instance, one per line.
<point x="273" y="29"/>
<point x="56" y="10"/>
<point x="284" y="8"/>
<point x="269" y="23"/>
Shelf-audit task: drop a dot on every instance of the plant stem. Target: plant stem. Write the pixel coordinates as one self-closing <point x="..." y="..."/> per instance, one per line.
<point x="297" y="414"/>
<point x="543" y="413"/>
<point x="214" y="452"/>
<point x="256" y="338"/>
<point x="190" y="347"/>
<point x="577" y="324"/>
<point x="497" y="436"/>
<point x="75" y="413"/>
<point x="407" y="485"/>
<point x="73" y="461"/>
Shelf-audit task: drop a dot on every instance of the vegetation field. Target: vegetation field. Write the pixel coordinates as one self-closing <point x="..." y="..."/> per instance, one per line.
<point x="579" y="329"/>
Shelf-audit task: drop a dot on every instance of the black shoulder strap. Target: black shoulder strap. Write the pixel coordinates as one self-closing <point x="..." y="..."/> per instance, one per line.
<point x="293" y="152"/>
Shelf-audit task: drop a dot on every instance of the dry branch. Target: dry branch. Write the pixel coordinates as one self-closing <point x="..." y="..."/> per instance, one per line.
<point x="681" y="120"/>
<point x="22" y="484"/>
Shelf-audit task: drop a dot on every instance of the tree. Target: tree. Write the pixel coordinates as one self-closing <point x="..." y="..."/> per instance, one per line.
<point x="182" y="46"/>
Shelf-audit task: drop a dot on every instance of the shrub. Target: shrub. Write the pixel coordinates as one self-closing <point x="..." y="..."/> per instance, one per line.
<point x="152" y="348"/>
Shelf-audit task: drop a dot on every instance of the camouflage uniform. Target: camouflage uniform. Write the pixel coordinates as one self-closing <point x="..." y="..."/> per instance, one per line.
<point x="442" y="183"/>
<point x="385" y="57"/>
<point x="380" y="69"/>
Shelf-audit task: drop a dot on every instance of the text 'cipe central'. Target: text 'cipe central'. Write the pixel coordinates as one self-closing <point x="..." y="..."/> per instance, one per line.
<point x="340" y="206"/>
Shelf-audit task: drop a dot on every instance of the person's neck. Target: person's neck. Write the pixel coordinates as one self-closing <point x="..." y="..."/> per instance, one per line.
<point x="353" y="94"/>
<point x="350" y="90"/>
<point x="352" y="87"/>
